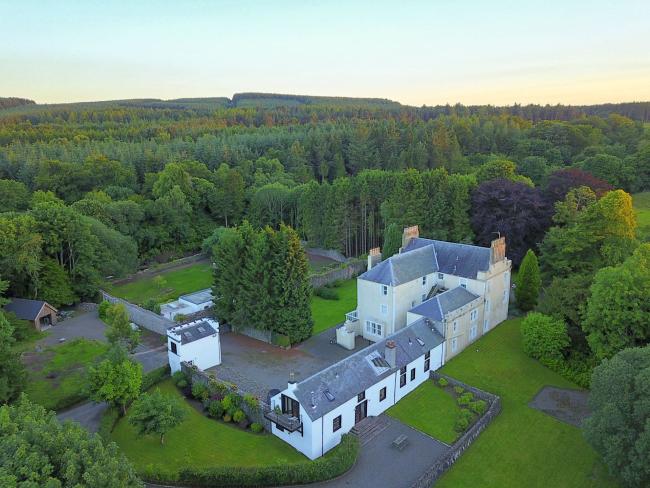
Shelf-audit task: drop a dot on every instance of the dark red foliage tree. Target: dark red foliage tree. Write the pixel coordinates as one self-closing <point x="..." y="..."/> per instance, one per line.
<point x="561" y="181"/>
<point x="517" y="211"/>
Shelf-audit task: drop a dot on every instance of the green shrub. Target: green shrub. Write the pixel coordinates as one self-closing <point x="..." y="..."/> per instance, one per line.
<point x="479" y="406"/>
<point x="443" y="382"/>
<point x="326" y="293"/>
<point x="544" y="338"/>
<point x="107" y="423"/>
<point x="103" y="308"/>
<point x="281" y="340"/>
<point x="217" y="388"/>
<point x="182" y="384"/>
<point x="154" y="377"/>
<point x="200" y="391"/>
<point x="465" y="399"/>
<point x="215" y="409"/>
<point x="251" y="401"/>
<point x="178" y="376"/>
<point x="335" y="463"/>
<point x="256" y="428"/>
<point x="459" y="390"/>
<point x="463" y="420"/>
<point x="227" y="417"/>
<point x="152" y="304"/>
<point x="238" y="416"/>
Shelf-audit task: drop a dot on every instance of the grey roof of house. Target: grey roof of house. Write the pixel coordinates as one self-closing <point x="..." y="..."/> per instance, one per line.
<point x="356" y="373"/>
<point x="193" y="332"/>
<point x="440" y="305"/>
<point x="198" y="297"/>
<point x="424" y="256"/>
<point x="25" y="309"/>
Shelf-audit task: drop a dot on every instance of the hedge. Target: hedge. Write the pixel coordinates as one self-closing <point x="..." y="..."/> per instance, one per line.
<point x="154" y="377"/>
<point x="333" y="464"/>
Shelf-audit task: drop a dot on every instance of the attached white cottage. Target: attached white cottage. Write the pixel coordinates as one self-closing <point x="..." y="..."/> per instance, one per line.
<point x="195" y="342"/>
<point x="314" y="413"/>
<point x="188" y="304"/>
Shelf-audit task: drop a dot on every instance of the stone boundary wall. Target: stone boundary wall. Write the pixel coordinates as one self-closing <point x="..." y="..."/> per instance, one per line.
<point x="157" y="268"/>
<point x="253" y="414"/>
<point x="442" y="464"/>
<point x="327" y="253"/>
<point x="259" y="334"/>
<point x="142" y="317"/>
<point x="352" y="269"/>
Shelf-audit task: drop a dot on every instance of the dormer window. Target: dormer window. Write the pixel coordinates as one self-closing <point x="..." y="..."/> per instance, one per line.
<point x="384" y="290"/>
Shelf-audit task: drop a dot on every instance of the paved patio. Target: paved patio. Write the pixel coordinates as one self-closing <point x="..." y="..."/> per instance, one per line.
<point x="381" y="464"/>
<point x="257" y="367"/>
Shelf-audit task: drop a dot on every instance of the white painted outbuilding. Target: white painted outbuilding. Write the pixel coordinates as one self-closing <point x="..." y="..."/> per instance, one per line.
<point x="196" y="342"/>
<point x="188" y="304"/>
<point x="313" y="414"/>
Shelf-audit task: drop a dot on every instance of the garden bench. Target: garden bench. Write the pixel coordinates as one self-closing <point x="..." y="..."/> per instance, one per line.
<point x="401" y="442"/>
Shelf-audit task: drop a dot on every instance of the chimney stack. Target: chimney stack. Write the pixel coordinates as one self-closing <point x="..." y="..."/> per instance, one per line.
<point x="292" y="382"/>
<point x="498" y="250"/>
<point x="408" y="234"/>
<point x="374" y="257"/>
<point x="390" y="354"/>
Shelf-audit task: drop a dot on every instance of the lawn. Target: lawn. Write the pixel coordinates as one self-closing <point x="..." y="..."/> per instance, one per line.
<point x="642" y="206"/>
<point x="429" y="409"/>
<point x="56" y="375"/>
<point x="522" y="446"/>
<point x="201" y="442"/>
<point x="177" y="282"/>
<point x="328" y="313"/>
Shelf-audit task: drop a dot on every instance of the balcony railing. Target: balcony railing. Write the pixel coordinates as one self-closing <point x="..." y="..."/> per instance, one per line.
<point x="352" y="316"/>
<point x="284" y="420"/>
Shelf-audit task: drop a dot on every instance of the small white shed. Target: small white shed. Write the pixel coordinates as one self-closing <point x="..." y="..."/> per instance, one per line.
<point x="195" y="342"/>
<point x="188" y="304"/>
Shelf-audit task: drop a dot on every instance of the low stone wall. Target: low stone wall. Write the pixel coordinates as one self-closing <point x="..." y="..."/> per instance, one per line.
<point x="253" y="414"/>
<point x="259" y="334"/>
<point x="442" y="464"/>
<point x="352" y="269"/>
<point x="142" y="317"/>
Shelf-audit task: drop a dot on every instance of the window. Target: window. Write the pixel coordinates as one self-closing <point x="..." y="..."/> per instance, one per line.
<point x="472" y="332"/>
<point x="486" y="326"/>
<point x="290" y="406"/>
<point x="383" y="308"/>
<point x="441" y="276"/>
<point x="506" y="276"/>
<point x="172" y="346"/>
<point x="424" y="280"/>
<point x="427" y="361"/>
<point x="454" y="344"/>
<point x="424" y="297"/>
<point x="402" y="376"/>
<point x="463" y="283"/>
<point x="412" y="374"/>
<point x="473" y="315"/>
<point x="487" y="305"/>
<point x="505" y="296"/>
<point x="373" y="327"/>
<point x="454" y="326"/>
<point x="384" y="290"/>
<point x="382" y="394"/>
<point x="361" y="396"/>
<point x="336" y="423"/>
<point x="412" y="303"/>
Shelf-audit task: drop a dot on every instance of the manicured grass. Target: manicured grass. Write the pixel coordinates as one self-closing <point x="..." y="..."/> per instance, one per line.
<point x="178" y="282"/>
<point x="642" y="206"/>
<point x="328" y="313"/>
<point x="201" y="442"/>
<point x="60" y="381"/>
<point x="429" y="409"/>
<point x="522" y="446"/>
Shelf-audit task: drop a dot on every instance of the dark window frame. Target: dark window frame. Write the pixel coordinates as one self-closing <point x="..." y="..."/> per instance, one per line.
<point x="402" y="376"/>
<point x="412" y="374"/>
<point x="173" y="348"/>
<point x="336" y="423"/>
<point x="361" y="396"/>
<point x="382" y="394"/>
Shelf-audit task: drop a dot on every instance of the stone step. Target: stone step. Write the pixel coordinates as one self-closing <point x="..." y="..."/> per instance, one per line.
<point x="369" y="428"/>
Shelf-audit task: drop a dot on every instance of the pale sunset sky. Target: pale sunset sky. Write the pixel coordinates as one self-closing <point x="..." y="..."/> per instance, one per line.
<point x="415" y="52"/>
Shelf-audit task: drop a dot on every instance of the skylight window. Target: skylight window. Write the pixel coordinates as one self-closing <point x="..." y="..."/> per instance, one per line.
<point x="329" y="396"/>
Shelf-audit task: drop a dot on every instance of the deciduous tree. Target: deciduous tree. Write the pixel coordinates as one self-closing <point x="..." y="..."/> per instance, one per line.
<point x="156" y="413"/>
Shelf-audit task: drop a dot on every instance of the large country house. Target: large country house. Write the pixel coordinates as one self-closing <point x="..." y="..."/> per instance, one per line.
<point x="420" y="307"/>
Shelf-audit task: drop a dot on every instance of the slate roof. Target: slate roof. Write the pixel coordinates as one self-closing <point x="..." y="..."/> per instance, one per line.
<point x="356" y="373"/>
<point x="437" y="307"/>
<point x="424" y="256"/>
<point x="198" y="297"/>
<point x="25" y="309"/>
<point x="193" y="331"/>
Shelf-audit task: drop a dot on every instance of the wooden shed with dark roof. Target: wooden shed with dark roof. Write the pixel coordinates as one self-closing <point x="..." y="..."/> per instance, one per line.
<point x="41" y="314"/>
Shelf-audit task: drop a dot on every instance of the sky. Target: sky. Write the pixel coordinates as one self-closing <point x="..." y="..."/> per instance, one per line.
<point x="415" y="52"/>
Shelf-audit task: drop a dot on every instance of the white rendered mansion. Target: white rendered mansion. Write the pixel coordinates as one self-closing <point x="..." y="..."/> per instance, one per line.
<point x="420" y="307"/>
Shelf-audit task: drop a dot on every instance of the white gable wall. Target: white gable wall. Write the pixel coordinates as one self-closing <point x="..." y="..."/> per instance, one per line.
<point x="204" y="353"/>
